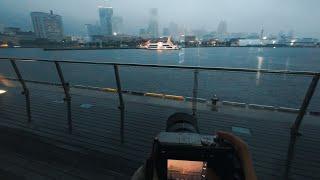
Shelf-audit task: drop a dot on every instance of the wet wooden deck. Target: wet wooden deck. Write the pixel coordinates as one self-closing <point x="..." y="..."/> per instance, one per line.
<point x="97" y="129"/>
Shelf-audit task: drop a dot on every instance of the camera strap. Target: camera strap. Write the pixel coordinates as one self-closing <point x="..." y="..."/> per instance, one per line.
<point x="149" y="168"/>
<point x="151" y="161"/>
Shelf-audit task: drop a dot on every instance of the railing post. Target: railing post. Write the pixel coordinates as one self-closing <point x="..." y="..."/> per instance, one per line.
<point x="121" y="105"/>
<point x="66" y="89"/>
<point x="294" y="133"/>
<point x="195" y="93"/>
<point x="25" y="91"/>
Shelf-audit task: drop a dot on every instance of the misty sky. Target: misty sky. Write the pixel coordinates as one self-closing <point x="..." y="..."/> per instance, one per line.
<point x="301" y="16"/>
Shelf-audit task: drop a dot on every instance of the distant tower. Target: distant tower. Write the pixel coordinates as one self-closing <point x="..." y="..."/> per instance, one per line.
<point x="174" y="30"/>
<point x="153" y="28"/>
<point x="92" y="30"/>
<point x="262" y="33"/>
<point x="143" y="33"/>
<point x="47" y="25"/>
<point x="117" y="24"/>
<point x="222" y="29"/>
<point x="105" y="14"/>
<point x="166" y="32"/>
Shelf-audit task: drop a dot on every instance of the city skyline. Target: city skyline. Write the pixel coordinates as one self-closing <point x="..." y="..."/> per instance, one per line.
<point x="136" y="15"/>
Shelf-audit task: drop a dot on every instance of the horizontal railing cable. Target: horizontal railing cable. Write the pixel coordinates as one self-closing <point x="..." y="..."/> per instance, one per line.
<point x="308" y="73"/>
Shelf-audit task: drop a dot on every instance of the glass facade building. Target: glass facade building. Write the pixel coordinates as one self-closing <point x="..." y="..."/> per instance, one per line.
<point x="47" y="25"/>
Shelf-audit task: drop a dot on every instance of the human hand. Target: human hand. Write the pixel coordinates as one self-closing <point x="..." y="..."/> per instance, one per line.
<point x="4" y="81"/>
<point x="243" y="152"/>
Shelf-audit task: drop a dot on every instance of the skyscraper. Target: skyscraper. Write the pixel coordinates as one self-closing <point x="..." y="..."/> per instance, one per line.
<point x="222" y="29"/>
<point x="166" y="32"/>
<point x="47" y="25"/>
<point x="93" y="30"/>
<point x="153" y="28"/>
<point x="105" y="14"/>
<point x="143" y="33"/>
<point x="174" y="30"/>
<point x="117" y="24"/>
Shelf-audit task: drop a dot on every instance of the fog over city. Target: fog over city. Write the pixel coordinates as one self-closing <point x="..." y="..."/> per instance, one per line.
<point x="302" y="17"/>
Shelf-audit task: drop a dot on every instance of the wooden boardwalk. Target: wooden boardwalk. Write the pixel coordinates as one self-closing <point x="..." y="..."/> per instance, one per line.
<point x="97" y="129"/>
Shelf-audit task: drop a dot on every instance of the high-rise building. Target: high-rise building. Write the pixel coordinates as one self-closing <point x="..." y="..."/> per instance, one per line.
<point x="166" y="32"/>
<point x="105" y="14"/>
<point x="93" y="29"/>
<point x="117" y="24"/>
<point x="153" y="28"/>
<point x="142" y="32"/>
<point x="222" y="29"/>
<point x="174" y="30"/>
<point x="47" y="25"/>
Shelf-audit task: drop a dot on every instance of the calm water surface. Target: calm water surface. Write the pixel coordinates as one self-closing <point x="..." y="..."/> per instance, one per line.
<point x="279" y="90"/>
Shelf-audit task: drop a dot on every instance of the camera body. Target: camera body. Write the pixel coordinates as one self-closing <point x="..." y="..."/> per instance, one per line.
<point x="210" y="151"/>
<point x="182" y="153"/>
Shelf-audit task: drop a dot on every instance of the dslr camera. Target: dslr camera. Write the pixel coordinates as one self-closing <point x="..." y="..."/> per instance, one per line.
<point x="182" y="153"/>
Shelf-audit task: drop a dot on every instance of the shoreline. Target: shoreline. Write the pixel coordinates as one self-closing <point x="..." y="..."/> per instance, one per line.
<point x="112" y="48"/>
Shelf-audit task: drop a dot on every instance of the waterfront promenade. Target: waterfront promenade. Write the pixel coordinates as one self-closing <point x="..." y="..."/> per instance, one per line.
<point x="96" y="132"/>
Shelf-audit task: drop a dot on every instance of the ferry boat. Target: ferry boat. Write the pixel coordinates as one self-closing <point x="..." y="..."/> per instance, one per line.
<point x="163" y="43"/>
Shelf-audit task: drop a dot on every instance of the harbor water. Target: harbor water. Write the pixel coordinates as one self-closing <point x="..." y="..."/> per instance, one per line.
<point x="255" y="88"/>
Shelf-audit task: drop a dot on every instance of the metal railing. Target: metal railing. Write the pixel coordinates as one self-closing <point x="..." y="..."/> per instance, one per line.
<point x="294" y="133"/>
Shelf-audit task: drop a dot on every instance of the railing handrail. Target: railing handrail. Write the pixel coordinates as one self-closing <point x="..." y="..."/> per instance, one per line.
<point x="267" y="71"/>
<point x="294" y="130"/>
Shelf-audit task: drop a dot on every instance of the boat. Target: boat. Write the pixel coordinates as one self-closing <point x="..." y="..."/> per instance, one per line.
<point x="4" y="45"/>
<point x="163" y="43"/>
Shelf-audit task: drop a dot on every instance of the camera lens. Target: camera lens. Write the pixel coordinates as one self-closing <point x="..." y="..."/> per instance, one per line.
<point x="182" y="122"/>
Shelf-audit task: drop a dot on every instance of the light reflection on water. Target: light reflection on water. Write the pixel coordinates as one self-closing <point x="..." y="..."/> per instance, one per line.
<point x="181" y="55"/>
<point x="259" y="67"/>
<point x="286" y="67"/>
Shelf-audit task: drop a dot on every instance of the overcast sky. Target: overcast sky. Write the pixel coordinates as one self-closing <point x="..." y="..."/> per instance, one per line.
<point x="301" y="16"/>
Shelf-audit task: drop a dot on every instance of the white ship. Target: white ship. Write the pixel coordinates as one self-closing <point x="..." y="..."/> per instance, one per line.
<point x="163" y="43"/>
